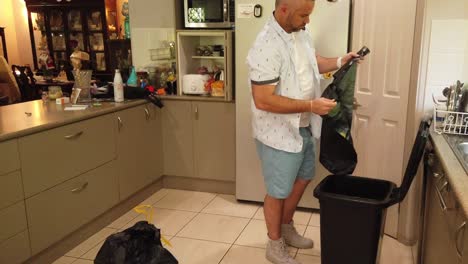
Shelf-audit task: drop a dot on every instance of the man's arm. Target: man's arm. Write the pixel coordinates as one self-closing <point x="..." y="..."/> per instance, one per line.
<point x="265" y="99"/>
<point x="330" y="64"/>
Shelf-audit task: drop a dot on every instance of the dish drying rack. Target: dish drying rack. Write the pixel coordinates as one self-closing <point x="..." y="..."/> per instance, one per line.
<point x="450" y="122"/>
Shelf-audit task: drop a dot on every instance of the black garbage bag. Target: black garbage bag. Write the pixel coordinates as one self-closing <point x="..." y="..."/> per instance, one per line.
<point x="337" y="153"/>
<point x="139" y="244"/>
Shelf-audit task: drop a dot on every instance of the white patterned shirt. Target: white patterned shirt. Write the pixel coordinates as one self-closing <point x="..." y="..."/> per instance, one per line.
<point x="272" y="61"/>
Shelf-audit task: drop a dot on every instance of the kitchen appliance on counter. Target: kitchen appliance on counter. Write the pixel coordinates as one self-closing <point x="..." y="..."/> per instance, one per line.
<point x="209" y="13"/>
<point x="195" y="84"/>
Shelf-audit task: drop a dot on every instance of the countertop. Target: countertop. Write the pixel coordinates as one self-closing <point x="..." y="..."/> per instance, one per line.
<point x="456" y="175"/>
<point x="15" y="122"/>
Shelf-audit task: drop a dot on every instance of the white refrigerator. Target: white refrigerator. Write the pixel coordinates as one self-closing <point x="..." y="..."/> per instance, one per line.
<point x="330" y="27"/>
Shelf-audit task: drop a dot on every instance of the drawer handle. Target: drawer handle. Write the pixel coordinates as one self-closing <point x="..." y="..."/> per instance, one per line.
<point x="457" y="234"/>
<point x="81" y="188"/>
<point x="147" y="114"/>
<point x="119" y="123"/>
<point x="74" y="135"/>
<point x="443" y="205"/>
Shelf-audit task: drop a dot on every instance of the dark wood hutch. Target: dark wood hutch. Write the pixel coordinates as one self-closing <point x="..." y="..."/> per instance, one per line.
<point x="58" y="27"/>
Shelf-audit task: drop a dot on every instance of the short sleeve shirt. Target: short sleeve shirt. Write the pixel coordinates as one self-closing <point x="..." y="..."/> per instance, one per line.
<point x="271" y="61"/>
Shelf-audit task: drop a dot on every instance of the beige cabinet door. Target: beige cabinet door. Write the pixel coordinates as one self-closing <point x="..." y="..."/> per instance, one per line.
<point x="177" y="130"/>
<point x="130" y="142"/>
<point x="214" y="140"/>
<point x="438" y="244"/>
<point x="151" y="151"/>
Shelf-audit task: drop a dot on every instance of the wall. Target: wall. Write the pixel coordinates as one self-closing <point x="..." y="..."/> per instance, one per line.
<point x="444" y="49"/>
<point x="13" y="16"/>
<point x="152" y="24"/>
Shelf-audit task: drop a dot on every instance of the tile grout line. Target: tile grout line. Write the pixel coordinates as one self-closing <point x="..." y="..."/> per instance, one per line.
<point x="233" y="243"/>
<point x="198" y="213"/>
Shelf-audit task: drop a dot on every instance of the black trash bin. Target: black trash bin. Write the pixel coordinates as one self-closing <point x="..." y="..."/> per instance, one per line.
<point x="353" y="209"/>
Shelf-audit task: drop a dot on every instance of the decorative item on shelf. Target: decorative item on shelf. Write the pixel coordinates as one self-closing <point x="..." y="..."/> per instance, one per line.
<point x="77" y="58"/>
<point x="126" y="14"/>
<point x="204" y="51"/>
<point x="196" y="15"/>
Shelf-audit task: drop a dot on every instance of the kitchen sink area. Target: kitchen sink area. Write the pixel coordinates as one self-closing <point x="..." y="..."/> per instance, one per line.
<point x="459" y="145"/>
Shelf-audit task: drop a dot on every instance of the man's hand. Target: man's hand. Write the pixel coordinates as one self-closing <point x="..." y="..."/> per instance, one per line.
<point x="350" y="56"/>
<point x="322" y="106"/>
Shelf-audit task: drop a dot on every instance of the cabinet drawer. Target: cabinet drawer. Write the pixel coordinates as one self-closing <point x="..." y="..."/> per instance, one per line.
<point x="11" y="189"/>
<point x="64" y="208"/>
<point x="9" y="156"/>
<point x="54" y="156"/>
<point x="12" y="221"/>
<point x="16" y="249"/>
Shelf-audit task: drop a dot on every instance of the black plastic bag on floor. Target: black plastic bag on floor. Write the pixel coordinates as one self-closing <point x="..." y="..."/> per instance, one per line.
<point x="139" y="244"/>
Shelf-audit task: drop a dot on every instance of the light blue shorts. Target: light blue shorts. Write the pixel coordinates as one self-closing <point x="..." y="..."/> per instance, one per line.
<point x="281" y="168"/>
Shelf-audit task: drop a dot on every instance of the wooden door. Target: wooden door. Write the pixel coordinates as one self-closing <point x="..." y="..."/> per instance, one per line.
<point x="382" y="88"/>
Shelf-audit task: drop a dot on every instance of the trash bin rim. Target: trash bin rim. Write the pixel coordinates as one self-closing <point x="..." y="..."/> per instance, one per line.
<point x="321" y="195"/>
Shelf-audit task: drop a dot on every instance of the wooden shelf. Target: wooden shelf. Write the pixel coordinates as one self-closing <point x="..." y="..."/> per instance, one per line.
<point x="208" y="57"/>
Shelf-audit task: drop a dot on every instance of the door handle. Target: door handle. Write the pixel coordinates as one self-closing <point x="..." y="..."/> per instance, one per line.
<point x="356" y="105"/>
<point x="74" y="135"/>
<point x="196" y="112"/>
<point x="119" y="123"/>
<point x="443" y="204"/>
<point x="147" y="114"/>
<point x="457" y="234"/>
<point x="81" y="188"/>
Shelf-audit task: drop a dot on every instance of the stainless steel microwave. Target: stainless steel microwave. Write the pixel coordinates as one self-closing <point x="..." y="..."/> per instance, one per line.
<point x="209" y="13"/>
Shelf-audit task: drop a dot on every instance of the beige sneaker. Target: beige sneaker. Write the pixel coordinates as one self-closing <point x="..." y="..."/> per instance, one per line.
<point x="277" y="252"/>
<point x="292" y="237"/>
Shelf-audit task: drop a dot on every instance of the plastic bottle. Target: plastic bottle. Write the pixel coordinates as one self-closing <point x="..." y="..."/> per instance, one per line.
<point x="132" y="79"/>
<point x="118" y="87"/>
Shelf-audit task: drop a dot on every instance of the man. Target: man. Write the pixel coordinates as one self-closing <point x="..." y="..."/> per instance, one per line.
<point x="285" y="82"/>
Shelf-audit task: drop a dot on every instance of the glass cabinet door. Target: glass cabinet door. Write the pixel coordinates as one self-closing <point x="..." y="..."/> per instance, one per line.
<point x="44" y="60"/>
<point x="95" y="21"/>
<point x="75" y="20"/>
<point x="56" y="20"/>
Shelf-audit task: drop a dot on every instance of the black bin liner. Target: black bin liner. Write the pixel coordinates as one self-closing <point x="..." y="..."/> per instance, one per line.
<point x="138" y="244"/>
<point x="353" y="210"/>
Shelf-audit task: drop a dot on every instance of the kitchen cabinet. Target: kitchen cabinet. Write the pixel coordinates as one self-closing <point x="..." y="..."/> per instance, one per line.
<point x="139" y="148"/>
<point x="199" y="140"/>
<point x="57" y="212"/>
<point x="444" y="221"/>
<point x="56" y="155"/>
<point x="205" y="48"/>
<point x="214" y="140"/>
<point x="177" y="134"/>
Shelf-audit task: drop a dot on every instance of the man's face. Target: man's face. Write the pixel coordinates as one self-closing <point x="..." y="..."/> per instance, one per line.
<point x="299" y="18"/>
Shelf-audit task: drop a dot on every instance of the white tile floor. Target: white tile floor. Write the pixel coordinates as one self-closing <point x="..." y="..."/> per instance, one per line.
<point x="206" y="228"/>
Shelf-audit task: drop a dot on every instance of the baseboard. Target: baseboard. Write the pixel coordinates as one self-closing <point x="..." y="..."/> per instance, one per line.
<point x="200" y="185"/>
<point x="61" y="247"/>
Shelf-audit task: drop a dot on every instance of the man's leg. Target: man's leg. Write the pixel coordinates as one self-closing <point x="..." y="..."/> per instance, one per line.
<point x="291" y="202"/>
<point x="273" y="211"/>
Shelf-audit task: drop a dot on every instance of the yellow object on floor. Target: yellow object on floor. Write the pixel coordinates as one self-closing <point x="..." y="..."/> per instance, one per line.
<point x="147" y="210"/>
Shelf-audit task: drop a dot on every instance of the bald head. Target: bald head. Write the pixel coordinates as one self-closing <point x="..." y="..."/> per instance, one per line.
<point x="293" y="15"/>
<point x="293" y="4"/>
